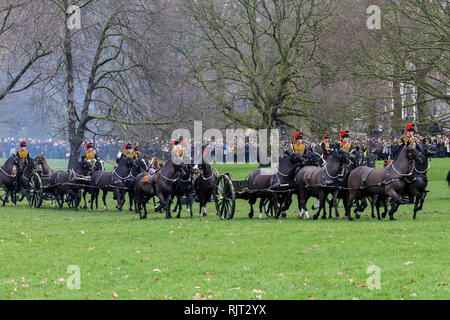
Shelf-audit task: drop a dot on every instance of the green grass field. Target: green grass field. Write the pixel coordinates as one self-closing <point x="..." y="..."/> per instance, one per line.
<point x="122" y="257"/>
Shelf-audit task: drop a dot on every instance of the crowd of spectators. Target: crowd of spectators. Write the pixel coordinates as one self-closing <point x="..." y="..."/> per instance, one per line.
<point x="383" y="148"/>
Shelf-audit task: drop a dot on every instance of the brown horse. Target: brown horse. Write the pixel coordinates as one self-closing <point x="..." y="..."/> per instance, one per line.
<point x="164" y="184"/>
<point x="47" y="171"/>
<point x="388" y="181"/>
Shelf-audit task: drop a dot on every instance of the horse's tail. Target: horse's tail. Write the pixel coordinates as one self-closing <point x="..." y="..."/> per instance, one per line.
<point x="448" y="178"/>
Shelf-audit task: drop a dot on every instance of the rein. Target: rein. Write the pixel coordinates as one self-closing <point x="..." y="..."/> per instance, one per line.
<point x="402" y="174"/>
<point x="9" y="175"/>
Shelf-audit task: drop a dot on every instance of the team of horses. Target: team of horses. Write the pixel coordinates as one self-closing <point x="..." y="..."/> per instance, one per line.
<point x="350" y="177"/>
<point x="347" y="176"/>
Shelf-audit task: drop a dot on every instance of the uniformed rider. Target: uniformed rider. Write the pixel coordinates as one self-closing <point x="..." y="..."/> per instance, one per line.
<point x="23" y="153"/>
<point x="345" y="144"/>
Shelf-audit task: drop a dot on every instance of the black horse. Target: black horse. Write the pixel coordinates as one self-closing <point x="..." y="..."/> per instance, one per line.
<point x="184" y="186"/>
<point x="70" y="183"/>
<point x="261" y="180"/>
<point x="98" y="166"/>
<point x="319" y="182"/>
<point x="204" y="186"/>
<point x="8" y="178"/>
<point x="140" y="165"/>
<point x="416" y="184"/>
<point x="23" y="176"/>
<point x="115" y="181"/>
<point x="389" y="181"/>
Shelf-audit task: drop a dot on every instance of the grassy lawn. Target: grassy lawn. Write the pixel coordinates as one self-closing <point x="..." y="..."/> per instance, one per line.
<point x="121" y="257"/>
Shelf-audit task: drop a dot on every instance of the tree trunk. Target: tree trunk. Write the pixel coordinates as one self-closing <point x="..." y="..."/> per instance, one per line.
<point x="75" y="140"/>
<point x="397" y="112"/>
<point x="422" y="115"/>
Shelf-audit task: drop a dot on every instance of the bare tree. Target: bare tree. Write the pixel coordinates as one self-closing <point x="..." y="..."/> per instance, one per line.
<point x="17" y="56"/>
<point x="255" y="57"/>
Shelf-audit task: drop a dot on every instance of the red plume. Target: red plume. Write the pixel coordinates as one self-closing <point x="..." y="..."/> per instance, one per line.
<point x="408" y="126"/>
<point x="297" y="134"/>
<point x="342" y="133"/>
<point x="325" y="136"/>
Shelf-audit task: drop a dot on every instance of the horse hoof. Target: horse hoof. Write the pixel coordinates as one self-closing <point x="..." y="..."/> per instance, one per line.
<point x="392" y="218"/>
<point x="349" y="218"/>
<point x="357" y="216"/>
<point x="323" y="218"/>
<point x="338" y="218"/>
<point x="250" y="215"/>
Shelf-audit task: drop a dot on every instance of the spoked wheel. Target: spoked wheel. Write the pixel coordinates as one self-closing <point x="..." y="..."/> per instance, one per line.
<point x="35" y="192"/>
<point x="224" y="197"/>
<point x="268" y="207"/>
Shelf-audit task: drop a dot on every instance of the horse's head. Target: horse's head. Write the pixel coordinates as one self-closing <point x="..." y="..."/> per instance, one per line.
<point x="315" y="159"/>
<point x="371" y="160"/>
<point x="99" y="165"/>
<point x="359" y="156"/>
<point x="294" y="157"/>
<point x="429" y="150"/>
<point x="344" y="156"/>
<point x="415" y="155"/>
<point x="141" y="164"/>
<point x="32" y="165"/>
<point x="86" y="167"/>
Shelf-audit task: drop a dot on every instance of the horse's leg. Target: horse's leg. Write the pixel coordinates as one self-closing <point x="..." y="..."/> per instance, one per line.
<point x="176" y="203"/>
<point x="348" y="207"/>
<point x="395" y="203"/>
<point x="169" y="202"/>
<point x="252" y="201"/>
<point x="105" y="192"/>
<point x="131" y="197"/>
<point x="84" y="198"/>
<point x="178" y="206"/>
<point x="418" y="196"/>
<point x="322" y="199"/>
<point x="189" y="195"/>
<point x="335" y="204"/>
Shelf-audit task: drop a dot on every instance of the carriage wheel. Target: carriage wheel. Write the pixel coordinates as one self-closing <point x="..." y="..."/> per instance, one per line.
<point x="224" y="197"/>
<point x="268" y="207"/>
<point x="35" y="191"/>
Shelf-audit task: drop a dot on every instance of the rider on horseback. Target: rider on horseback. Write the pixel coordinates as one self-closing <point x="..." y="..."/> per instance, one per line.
<point x="345" y="144"/>
<point x="90" y="154"/>
<point x="325" y="146"/>
<point x="126" y="153"/>
<point x="297" y="145"/>
<point x="23" y="153"/>
<point x="408" y="137"/>
<point x="136" y="152"/>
